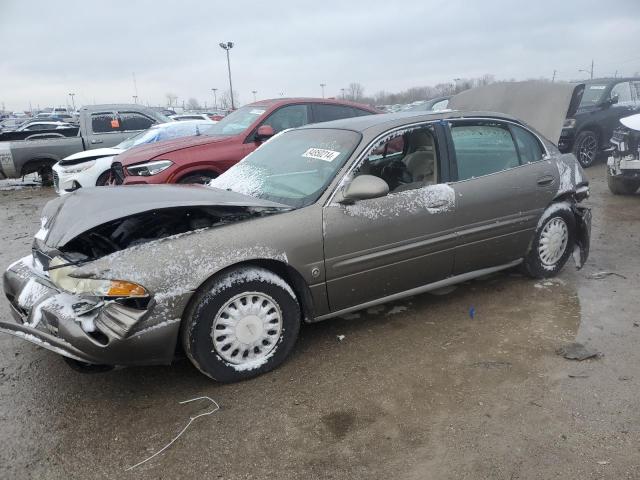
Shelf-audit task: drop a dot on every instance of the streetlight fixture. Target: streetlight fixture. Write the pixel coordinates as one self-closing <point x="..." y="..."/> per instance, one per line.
<point x="215" y="99"/>
<point x="254" y="94"/>
<point x="342" y="90"/>
<point x="135" y="99"/>
<point x="228" y="46"/>
<point x="73" y="102"/>
<point x="322" y="85"/>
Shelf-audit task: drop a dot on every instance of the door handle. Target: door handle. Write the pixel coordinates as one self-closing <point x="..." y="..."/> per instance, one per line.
<point x="546" y="180"/>
<point x="96" y="141"/>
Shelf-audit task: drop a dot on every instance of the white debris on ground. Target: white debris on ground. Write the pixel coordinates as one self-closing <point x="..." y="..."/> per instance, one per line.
<point x="340" y="337"/>
<point x="29" y="181"/>
<point x="397" y="309"/>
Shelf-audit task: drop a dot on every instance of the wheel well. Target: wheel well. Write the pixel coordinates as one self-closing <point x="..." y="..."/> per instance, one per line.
<point x="288" y="274"/>
<point x="197" y="172"/>
<point x="592" y="128"/>
<point x="35" y="165"/>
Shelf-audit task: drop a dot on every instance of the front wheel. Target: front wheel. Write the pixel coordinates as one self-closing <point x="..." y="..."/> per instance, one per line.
<point x="585" y="148"/>
<point x="241" y="324"/>
<point x="621" y="186"/>
<point x="104" y="179"/>
<point x="552" y="243"/>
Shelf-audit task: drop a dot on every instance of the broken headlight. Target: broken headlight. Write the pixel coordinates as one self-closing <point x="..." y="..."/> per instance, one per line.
<point x="62" y="278"/>
<point x="149" y="168"/>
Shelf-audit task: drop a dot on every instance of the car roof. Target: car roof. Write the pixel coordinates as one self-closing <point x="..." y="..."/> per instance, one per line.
<point x="374" y="124"/>
<point x="277" y="102"/>
<point x="609" y="80"/>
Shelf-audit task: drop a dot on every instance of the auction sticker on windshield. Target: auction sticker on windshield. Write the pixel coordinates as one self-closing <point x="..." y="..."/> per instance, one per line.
<point x="321" y="154"/>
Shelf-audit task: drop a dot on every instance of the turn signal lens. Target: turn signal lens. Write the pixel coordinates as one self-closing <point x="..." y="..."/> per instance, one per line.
<point x="118" y="288"/>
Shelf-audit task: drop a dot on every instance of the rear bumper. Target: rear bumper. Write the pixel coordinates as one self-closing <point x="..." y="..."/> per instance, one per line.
<point x="87" y="328"/>
<point x="565" y="144"/>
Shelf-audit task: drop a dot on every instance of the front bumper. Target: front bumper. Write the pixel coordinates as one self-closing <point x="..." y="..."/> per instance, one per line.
<point x="583" y="234"/>
<point x="88" y="329"/>
<point x="627" y="167"/>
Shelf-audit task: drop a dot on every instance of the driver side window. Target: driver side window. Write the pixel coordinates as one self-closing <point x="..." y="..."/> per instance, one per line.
<point x="406" y="160"/>
<point x="291" y="116"/>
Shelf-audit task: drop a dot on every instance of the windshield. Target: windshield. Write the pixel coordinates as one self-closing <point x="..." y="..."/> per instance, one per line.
<point x="166" y="131"/>
<point x="293" y="168"/>
<point x="238" y="121"/>
<point x="592" y="95"/>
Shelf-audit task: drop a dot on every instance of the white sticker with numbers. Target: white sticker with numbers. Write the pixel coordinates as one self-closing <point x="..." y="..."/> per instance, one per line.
<point x="321" y="154"/>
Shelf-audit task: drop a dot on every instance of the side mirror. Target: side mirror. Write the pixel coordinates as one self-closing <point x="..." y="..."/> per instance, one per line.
<point x="611" y="101"/>
<point x="363" y="187"/>
<point x="264" y="132"/>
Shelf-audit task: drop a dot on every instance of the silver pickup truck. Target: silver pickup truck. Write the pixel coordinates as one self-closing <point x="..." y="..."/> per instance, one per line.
<point x="22" y="153"/>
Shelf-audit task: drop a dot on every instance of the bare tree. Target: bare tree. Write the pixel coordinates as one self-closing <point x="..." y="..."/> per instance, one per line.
<point x="225" y="99"/>
<point x="354" y="92"/>
<point x="192" y="104"/>
<point x="172" y="99"/>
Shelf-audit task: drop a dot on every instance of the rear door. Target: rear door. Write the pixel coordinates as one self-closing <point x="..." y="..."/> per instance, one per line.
<point x="382" y="246"/>
<point x="503" y="186"/>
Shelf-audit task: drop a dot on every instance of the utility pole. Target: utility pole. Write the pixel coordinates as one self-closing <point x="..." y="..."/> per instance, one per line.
<point x="591" y="69"/>
<point x="215" y="99"/>
<point x="553" y="79"/>
<point x="135" y="99"/>
<point x="73" y="101"/>
<point x="228" y="46"/>
<point x="342" y="90"/>
<point x="135" y="87"/>
<point x="254" y="94"/>
<point x="322" y="85"/>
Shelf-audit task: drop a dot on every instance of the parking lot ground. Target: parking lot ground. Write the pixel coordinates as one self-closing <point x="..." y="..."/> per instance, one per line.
<point x="419" y="389"/>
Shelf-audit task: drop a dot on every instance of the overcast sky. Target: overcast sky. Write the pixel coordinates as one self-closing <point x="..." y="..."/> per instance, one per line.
<point x="50" y="48"/>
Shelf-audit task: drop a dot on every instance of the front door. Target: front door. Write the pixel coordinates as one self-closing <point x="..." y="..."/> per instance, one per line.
<point x="378" y="247"/>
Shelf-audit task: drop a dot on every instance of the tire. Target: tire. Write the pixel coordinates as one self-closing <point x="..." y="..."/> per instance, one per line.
<point x="198" y="178"/>
<point x="266" y="328"/>
<point x="546" y="262"/>
<point x="585" y="148"/>
<point x="621" y="186"/>
<point x="46" y="176"/>
<point x="103" y="179"/>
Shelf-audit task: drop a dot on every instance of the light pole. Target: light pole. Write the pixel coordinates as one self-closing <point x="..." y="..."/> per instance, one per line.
<point x="228" y="46"/>
<point x="215" y="99"/>
<point x="73" y="102"/>
<point x="342" y="90"/>
<point x="135" y="99"/>
<point x="322" y="85"/>
<point x="254" y="94"/>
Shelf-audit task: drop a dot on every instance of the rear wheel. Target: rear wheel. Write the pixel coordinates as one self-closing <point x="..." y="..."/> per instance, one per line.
<point x="621" y="186"/>
<point x="241" y="324"/>
<point x="200" y="178"/>
<point x="552" y="243"/>
<point x="46" y="176"/>
<point x="585" y="148"/>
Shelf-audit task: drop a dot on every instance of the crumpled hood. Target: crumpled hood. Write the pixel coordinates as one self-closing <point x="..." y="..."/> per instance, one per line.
<point x="542" y="105"/>
<point x="66" y="217"/>
<point x="142" y="153"/>
<point x="87" y="155"/>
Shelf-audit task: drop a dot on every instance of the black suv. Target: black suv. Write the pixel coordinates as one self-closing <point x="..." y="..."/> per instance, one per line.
<point x="603" y="103"/>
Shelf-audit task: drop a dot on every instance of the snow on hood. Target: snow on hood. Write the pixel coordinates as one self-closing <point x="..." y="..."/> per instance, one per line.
<point x="542" y="105"/>
<point x="67" y="217"/>
<point x="141" y="153"/>
<point x="632" y="122"/>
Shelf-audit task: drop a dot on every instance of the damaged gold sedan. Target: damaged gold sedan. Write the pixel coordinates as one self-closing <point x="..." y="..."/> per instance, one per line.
<point x="317" y="222"/>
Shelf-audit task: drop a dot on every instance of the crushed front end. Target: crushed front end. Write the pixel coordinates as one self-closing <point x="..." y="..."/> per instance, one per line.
<point x="116" y="326"/>
<point x="624" y="162"/>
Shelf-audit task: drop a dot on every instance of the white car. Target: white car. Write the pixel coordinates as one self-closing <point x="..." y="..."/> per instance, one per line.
<point x="181" y="117"/>
<point x="34" y="126"/>
<point x="93" y="167"/>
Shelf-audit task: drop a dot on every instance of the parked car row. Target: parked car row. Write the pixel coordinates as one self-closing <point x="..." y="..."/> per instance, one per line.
<point x="321" y="220"/>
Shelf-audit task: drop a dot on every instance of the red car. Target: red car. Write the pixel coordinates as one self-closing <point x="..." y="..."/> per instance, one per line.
<point x="201" y="158"/>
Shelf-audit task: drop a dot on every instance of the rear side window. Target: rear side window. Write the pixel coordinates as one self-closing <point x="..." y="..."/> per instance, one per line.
<point x="528" y="145"/>
<point x="326" y="112"/>
<point x="483" y="149"/>
<point x="104" y="122"/>
<point x="291" y="116"/>
<point x="131" y="121"/>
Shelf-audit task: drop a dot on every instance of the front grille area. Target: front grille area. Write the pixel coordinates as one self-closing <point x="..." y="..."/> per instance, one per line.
<point x="117" y="173"/>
